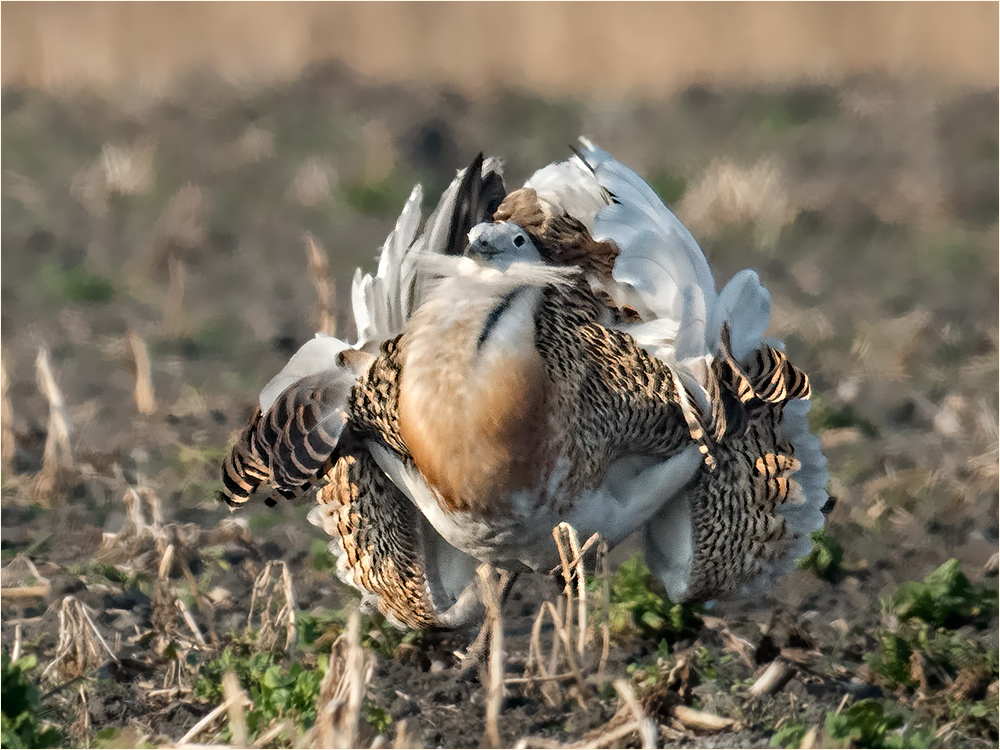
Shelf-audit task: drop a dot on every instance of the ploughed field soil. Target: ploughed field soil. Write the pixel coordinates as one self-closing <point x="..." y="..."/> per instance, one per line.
<point x="179" y="227"/>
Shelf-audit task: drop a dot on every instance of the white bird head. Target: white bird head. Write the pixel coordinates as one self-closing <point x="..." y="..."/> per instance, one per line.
<point x="500" y="245"/>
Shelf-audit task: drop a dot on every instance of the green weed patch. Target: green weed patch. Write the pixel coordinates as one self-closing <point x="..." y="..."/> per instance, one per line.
<point x="21" y="720"/>
<point x="640" y="605"/>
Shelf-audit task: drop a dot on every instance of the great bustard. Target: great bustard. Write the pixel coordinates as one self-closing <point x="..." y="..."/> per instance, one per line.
<point x="556" y="354"/>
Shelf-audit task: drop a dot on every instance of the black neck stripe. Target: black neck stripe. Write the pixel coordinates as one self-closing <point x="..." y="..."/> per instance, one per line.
<point x="494" y="317"/>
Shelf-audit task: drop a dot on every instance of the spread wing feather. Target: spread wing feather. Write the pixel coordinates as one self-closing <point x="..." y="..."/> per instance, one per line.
<point x="658" y="256"/>
<point x="289" y="446"/>
<point x="381" y="302"/>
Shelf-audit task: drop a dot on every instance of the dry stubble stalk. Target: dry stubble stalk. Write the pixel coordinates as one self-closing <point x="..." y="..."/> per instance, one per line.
<point x="6" y="419"/>
<point x="603" y="552"/>
<point x="79" y="645"/>
<point x="235" y="700"/>
<point x="325" y="291"/>
<point x="174" y="324"/>
<point x="354" y="673"/>
<point x="494" y="697"/>
<point x="21" y="579"/>
<point x="645" y="725"/>
<point x="145" y="400"/>
<point x="703" y="721"/>
<point x="338" y="706"/>
<point x="774" y="677"/>
<point x="58" y="456"/>
<point x="558" y="533"/>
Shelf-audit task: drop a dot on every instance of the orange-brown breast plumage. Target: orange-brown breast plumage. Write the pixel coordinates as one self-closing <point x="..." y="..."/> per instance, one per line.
<point x="473" y="417"/>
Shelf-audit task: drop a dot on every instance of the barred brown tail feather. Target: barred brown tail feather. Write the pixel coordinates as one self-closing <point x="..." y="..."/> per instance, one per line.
<point x="292" y="445"/>
<point x="769" y="381"/>
<point x="305" y="424"/>
<point x="243" y="471"/>
<point x="797" y="383"/>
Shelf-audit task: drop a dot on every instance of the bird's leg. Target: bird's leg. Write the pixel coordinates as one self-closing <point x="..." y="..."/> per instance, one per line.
<point x="474" y="655"/>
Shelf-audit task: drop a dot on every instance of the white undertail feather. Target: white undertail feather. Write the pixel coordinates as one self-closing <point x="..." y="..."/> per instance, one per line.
<point x="746" y="306"/>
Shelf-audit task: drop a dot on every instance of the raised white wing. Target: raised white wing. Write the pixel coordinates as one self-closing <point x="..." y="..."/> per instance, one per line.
<point x="382" y="303"/>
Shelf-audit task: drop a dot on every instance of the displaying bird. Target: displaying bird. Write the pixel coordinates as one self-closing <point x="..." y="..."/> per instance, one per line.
<point x="558" y="354"/>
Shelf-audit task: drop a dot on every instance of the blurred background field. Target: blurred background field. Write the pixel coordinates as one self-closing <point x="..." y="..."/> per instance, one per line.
<point x="164" y="166"/>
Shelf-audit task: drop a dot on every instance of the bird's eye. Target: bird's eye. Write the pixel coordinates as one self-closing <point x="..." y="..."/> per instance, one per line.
<point x="519" y="240"/>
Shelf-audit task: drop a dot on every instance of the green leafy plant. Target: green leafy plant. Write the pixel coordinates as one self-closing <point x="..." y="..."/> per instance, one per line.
<point x="789" y="735"/>
<point x="973" y="719"/>
<point x="826" y="558"/>
<point x="945" y="599"/>
<point x="322" y="558"/>
<point x="867" y="723"/>
<point x="278" y="691"/>
<point x="926" y="641"/>
<point x="639" y="603"/>
<point x="318" y="630"/>
<point x="891" y="660"/>
<point x="117" y="738"/>
<point x="20" y="711"/>
<point x="376" y="717"/>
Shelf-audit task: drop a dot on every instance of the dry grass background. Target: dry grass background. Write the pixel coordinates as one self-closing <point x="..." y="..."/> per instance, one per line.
<point x="557" y="48"/>
<point x="166" y="252"/>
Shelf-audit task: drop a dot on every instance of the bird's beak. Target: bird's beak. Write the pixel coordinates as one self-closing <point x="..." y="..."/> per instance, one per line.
<point x="479" y="250"/>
